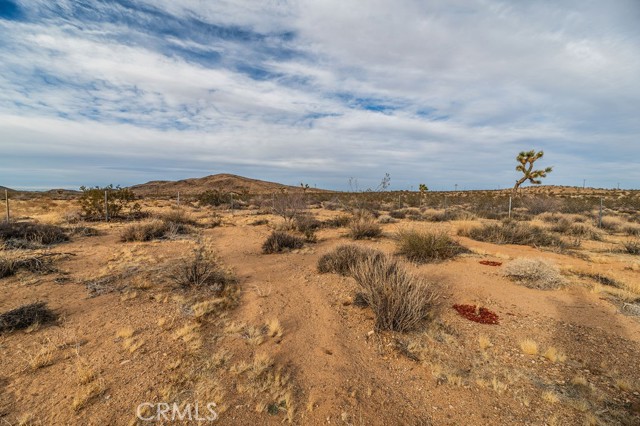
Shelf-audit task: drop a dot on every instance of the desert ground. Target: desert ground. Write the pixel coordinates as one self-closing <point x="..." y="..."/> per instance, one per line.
<point x="186" y="304"/>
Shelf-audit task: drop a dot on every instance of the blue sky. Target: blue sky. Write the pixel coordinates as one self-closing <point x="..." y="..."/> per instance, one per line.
<point x="440" y="92"/>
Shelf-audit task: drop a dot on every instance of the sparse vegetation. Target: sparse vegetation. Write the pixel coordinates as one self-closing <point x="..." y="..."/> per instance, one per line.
<point x="512" y="233"/>
<point x="28" y="234"/>
<point x="535" y="273"/>
<point x="344" y="258"/>
<point x="144" y="231"/>
<point x="400" y="301"/>
<point x="120" y="202"/>
<point x="280" y="241"/>
<point x="26" y="316"/>
<point x="202" y="271"/>
<point x="424" y="246"/>
<point x="363" y="225"/>
<point x="632" y="247"/>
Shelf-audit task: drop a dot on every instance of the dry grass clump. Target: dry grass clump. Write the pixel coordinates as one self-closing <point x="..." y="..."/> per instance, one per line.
<point x="632" y="247"/>
<point x="400" y="301"/>
<point x="202" y="271"/>
<point x="632" y="230"/>
<point x="10" y="263"/>
<point x="612" y="224"/>
<point x="29" y="233"/>
<point x="535" y="273"/>
<point x="147" y="231"/>
<point x="529" y="347"/>
<point x="26" y="316"/>
<point x="344" y="258"/>
<point x="337" y="222"/>
<point x="280" y="241"/>
<point x="512" y="233"/>
<point x="568" y="227"/>
<point x="363" y="225"/>
<point x="179" y="216"/>
<point x="423" y="247"/>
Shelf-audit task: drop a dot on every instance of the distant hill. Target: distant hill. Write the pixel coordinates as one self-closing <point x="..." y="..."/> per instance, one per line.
<point x="2" y="189"/>
<point x="221" y="182"/>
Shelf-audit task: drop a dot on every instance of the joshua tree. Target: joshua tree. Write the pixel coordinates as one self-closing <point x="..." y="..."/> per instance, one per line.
<point x="526" y="160"/>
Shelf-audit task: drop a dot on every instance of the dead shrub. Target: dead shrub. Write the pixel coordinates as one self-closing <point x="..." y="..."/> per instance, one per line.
<point x="148" y="231"/>
<point x="632" y="230"/>
<point x="363" y="225"/>
<point x="279" y="241"/>
<point x="180" y="217"/>
<point x="34" y="233"/>
<point x="400" y="301"/>
<point x="202" y="271"/>
<point x="25" y="316"/>
<point x="632" y="247"/>
<point x="337" y="222"/>
<point x="344" y="258"/>
<point x="37" y="263"/>
<point x="535" y="273"/>
<point x="423" y="247"/>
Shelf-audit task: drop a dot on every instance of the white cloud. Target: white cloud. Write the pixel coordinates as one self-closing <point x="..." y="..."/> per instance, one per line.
<point x="463" y="86"/>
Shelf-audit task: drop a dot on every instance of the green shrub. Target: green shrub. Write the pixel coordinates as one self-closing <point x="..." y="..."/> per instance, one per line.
<point x="120" y="202"/>
<point x="423" y="247"/>
<point x="279" y="241"/>
<point x="213" y="198"/>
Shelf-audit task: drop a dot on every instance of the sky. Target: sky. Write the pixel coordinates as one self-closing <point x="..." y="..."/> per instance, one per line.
<point x="324" y="92"/>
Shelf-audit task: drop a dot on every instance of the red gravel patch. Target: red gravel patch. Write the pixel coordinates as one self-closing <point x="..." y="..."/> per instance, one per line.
<point x="490" y="263"/>
<point x="476" y="314"/>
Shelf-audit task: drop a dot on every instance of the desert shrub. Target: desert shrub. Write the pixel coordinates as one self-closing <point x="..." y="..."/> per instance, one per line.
<point x="631" y="247"/>
<point x="400" y="301"/>
<point x="82" y="231"/>
<point x="611" y="224"/>
<point x="337" y="222"/>
<point x="386" y="219"/>
<point x="179" y="217"/>
<point x="534" y="273"/>
<point x="423" y="247"/>
<point x="331" y="205"/>
<point x="202" y="271"/>
<point x="30" y="233"/>
<point x="147" y="231"/>
<point x="120" y="202"/>
<point x="7" y="267"/>
<point x="632" y="230"/>
<point x="279" y="241"/>
<point x="213" y="198"/>
<point x="344" y="258"/>
<point x="398" y="214"/>
<point x="363" y="225"/>
<point x="25" y="316"/>
<point x="512" y="233"/>
<point x="541" y="204"/>
<point x="568" y="227"/>
<point x="259" y="222"/>
<point x="578" y="205"/>
<point x="288" y="205"/>
<point x="307" y="225"/>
